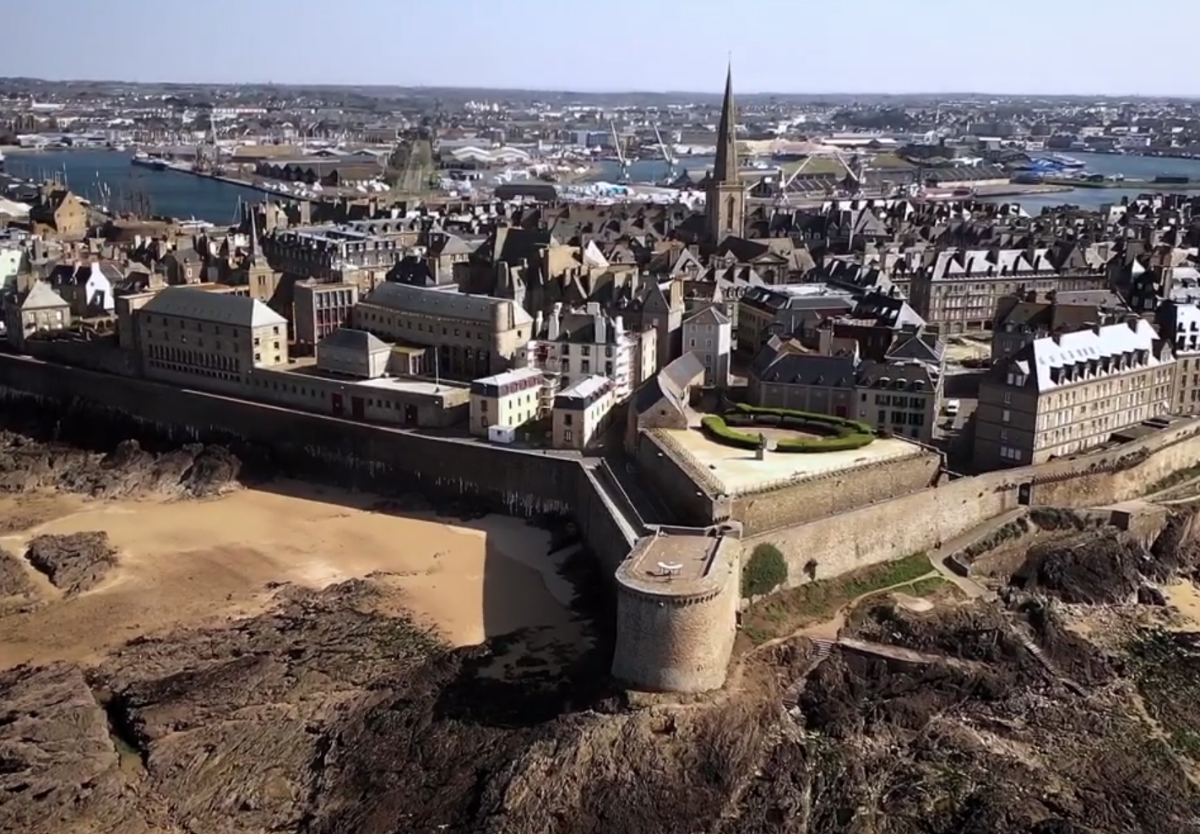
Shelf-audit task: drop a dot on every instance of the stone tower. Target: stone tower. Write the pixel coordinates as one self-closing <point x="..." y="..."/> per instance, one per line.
<point x="726" y="196"/>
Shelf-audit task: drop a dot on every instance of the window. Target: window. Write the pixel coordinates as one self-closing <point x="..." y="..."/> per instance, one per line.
<point x="567" y="436"/>
<point x="1005" y="415"/>
<point x="568" y="419"/>
<point x="483" y="405"/>
<point x="1007" y="398"/>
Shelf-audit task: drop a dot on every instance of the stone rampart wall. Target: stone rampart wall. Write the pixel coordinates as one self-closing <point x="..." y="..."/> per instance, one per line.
<point x="923" y="520"/>
<point x="803" y="501"/>
<point x="324" y="448"/>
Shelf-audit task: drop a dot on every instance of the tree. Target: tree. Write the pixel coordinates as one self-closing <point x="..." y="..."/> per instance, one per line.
<point x="764" y="571"/>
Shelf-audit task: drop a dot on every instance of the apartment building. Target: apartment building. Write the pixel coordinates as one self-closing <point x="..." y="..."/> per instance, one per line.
<point x="898" y="395"/>
<point x="1022" y="318"/>
<point x="503" y="402"/>
<point x="1180" y="324"/>
<point x="1068" y="392"/>
<point x="189" y="333"/>
<point x="958" y="289"/>
<point x="582" y="412"/>
<point x="709" y="335"/>
<point x="470" y="336"/>
<point x="793" y="309"/>
<point x="319" y="309"/>
<point x="590" y="343"/>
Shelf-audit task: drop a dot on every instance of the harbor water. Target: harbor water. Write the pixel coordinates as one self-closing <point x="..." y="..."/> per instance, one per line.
<point x="107" y="177"/>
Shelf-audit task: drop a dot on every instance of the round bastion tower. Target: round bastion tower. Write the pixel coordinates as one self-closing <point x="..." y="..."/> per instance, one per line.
<point x="677" y="601"/>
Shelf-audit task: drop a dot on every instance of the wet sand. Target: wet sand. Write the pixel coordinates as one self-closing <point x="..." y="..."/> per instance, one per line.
<point x="190" y="562"/>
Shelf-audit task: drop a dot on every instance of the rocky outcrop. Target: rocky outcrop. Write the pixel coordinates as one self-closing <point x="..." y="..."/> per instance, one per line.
<point x="74" y="562"/>
<point x="195" y="470"/>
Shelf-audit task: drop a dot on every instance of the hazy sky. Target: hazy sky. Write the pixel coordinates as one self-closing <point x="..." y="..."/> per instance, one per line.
<point x="812" y="46"/>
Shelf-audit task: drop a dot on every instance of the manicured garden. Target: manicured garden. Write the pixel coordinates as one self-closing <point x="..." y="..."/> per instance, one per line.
<point x="833" y="434"/>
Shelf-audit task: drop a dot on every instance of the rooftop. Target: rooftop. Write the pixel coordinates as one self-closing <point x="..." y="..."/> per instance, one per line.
<point x="678" y="565"/>
<point x="219" y="307"/>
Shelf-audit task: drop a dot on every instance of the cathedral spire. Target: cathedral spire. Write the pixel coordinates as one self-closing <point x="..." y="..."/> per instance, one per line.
<point x="725" y="169"/>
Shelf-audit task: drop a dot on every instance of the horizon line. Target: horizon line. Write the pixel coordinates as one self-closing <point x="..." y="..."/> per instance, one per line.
<point x="598" y="91"/>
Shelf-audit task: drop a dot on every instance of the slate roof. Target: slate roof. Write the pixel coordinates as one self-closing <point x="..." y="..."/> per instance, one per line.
<point x="41" y="296"/>
<point x="346" y="338"/>
<point x="440" y="303"/>
<point x="216" y="307"/>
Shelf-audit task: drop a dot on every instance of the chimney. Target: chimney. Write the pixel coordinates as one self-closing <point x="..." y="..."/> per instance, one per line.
<point x="1132" y="321"/>
<point x="600" y="324"/>
<point x="1094" y="326"/>
<point x="554" y="323"/>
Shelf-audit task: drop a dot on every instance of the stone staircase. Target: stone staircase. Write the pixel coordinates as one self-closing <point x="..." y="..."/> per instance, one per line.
<point x="822" y="648"/>
<point x="1034" y="649"/>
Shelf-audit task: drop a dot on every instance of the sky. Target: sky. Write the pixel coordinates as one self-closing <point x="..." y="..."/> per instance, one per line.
<point x="789" y="46"/>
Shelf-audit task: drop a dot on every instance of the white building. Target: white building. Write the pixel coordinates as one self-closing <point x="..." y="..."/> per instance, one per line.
<point x="709" y="335"/>
<point x="503" y="402"/>
<point x="580" y="345"/>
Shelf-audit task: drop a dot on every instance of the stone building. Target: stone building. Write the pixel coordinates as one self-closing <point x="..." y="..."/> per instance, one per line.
<point x="789" y="310"/>
<point x="59" y="213"/>
<point x="1179" y="323"/>
<point x="505" y="401"/>
<point x="319" y="309"/>
<point x="1022" y="318"/>
<point x="581" y="413"/>
<point x="897" y="394"/>
<point x="958" y="289"/>
<point x="38" y="309"/>
<point x="185" y="333"/>
<point x="470" y="336"/>
<point x="708" y="334"/>
<point x="353" y="353"/>
<point x="1068" y="392"/>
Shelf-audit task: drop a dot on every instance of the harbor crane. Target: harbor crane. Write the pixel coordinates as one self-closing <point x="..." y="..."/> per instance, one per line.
<point x="667" y="153"/>
<point x="621" y="158"/>
<point x="785" y="183"/>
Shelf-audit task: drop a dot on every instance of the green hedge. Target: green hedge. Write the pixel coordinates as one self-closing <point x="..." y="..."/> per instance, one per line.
<point x="715" y="428"/>
<point x="824" y="444"/>
<point x="855" y="425"/>
<point x="841" y="434"/>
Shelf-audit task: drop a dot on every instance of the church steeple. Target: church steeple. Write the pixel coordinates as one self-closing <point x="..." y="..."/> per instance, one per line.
<point x="725" y="170"/>
<point x="726" y="197"/>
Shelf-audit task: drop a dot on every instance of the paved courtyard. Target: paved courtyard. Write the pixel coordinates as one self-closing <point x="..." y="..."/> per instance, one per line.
<point x="739" y="471"/>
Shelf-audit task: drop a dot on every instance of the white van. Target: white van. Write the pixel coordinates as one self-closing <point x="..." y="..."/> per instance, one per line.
<point x="952" y="408"/>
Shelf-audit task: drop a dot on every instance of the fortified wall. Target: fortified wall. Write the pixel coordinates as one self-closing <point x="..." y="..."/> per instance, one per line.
<point x="328" y="449"/>
<point x="697" y="495"/>
<point x="677" y="588"/>
<point x="925" y="519"/>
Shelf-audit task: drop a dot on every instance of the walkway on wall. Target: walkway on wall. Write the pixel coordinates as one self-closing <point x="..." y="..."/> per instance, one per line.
<point x="651" y="510"/>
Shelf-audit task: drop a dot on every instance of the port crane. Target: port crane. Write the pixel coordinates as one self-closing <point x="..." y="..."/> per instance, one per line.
<point x="785" y="182"/>
<point x="621" y="158"/>
<point x="667" y="153"/>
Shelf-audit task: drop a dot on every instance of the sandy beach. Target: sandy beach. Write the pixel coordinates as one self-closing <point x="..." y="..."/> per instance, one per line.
<point x="192" y="562"/>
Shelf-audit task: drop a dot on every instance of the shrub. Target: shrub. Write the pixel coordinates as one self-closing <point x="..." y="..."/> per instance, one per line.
<point x="764" y="571"/>
<point x="824" y="444"/>
<point x="716" y="429"/>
